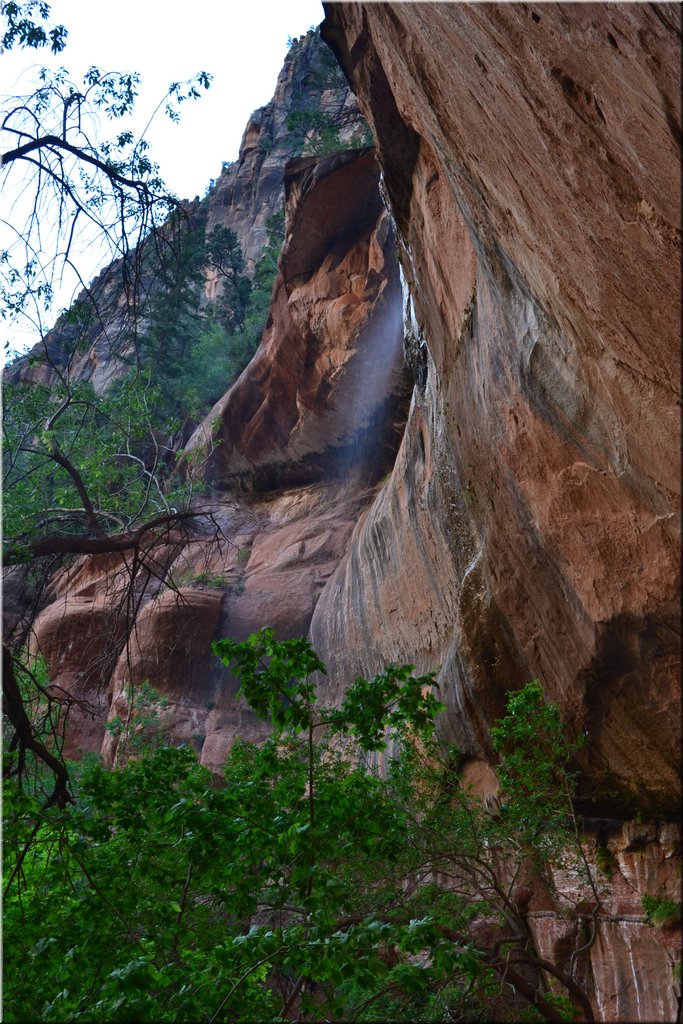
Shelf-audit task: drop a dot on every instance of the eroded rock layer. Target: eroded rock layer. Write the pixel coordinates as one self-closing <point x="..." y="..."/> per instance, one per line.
<point x="531" y="161"/>
<point x="321" y="389"/>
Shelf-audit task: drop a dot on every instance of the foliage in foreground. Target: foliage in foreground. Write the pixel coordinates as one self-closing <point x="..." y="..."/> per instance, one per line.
<point x="306" y="885"/>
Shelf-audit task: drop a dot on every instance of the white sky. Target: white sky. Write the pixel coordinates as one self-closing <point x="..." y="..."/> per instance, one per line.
<point x="242" y="43"/>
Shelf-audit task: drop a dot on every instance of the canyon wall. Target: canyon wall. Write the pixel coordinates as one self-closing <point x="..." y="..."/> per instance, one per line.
<point x="296" y="451"/>
<point x="531" y="161"/>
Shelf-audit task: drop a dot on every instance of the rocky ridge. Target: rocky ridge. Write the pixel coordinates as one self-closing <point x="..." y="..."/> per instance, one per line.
<point x="244" y="198"/>
<point x="250" y="191"/>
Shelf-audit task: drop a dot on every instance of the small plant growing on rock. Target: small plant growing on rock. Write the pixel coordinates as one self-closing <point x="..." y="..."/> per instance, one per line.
<point x="207" y="579"/>
<point x="661" y="912"/>
<point x="606" y="860"/>
<point x="144" y="725"/>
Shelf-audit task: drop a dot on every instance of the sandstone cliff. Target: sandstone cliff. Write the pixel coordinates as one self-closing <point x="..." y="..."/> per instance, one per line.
<point x="307" y="433"/>
<point x="308" y="403"/>
<point x="537" y="201"/>
<point x="531" y="161"/>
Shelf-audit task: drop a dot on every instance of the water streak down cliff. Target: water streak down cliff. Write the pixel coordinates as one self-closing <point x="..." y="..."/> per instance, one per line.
<point x="306" y="434"/>
<point x="536" y="197"/>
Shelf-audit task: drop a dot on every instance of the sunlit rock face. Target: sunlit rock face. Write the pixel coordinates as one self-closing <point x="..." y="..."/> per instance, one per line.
<point x="319" y="396"/>
<point x="531" y="527"/>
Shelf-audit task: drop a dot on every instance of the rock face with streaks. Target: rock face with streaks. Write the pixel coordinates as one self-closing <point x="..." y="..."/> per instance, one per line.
<point x="531" y="163"/>
<point x="316" y="396"/>
<point x="521" y="518"/>
<point x="629" y="969"/>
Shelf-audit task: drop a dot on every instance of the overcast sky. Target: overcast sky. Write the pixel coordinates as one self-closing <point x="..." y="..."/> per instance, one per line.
<point x="241" y="44"/>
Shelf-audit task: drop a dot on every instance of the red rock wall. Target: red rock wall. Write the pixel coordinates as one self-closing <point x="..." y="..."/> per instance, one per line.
<point x="529" y="527"/>
<point x="331" y="357"/>
<point x="306" y="434"/>
<point x="630" y="968"/>
<point x="531" y="160"/>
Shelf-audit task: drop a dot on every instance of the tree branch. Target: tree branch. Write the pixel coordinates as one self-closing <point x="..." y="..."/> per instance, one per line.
<point x="66" y="544"/>
<point x="53" y="142"/>
<point x="13" y="708"/>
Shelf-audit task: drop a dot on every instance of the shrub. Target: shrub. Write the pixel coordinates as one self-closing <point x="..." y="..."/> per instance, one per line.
<point x="661" y="912"/>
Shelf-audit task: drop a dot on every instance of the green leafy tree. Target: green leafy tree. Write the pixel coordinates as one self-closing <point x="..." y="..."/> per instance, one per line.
<point x="80" y="469"/>
<point x="223" y="256"/>
<point x="308" y="885"/>
<point x="23" y="27"/>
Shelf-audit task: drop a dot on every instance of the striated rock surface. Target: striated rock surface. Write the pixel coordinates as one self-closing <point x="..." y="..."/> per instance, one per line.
<point x="532" y="164"/>
<point x="531" y="161"/>
<point x="529" y="527"/>
<point x="630" y="967"/>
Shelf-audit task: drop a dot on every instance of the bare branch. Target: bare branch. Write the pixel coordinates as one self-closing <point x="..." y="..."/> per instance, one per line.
<point x="88" y="545"/>
<point x="53" y="142"/>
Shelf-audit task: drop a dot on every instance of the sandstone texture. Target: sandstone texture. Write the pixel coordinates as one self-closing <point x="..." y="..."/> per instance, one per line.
<point x="322" y="386"/>
<point x="470" y="462"/>
<point x="630" y="967"/>
<point x="531" y="160"/>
